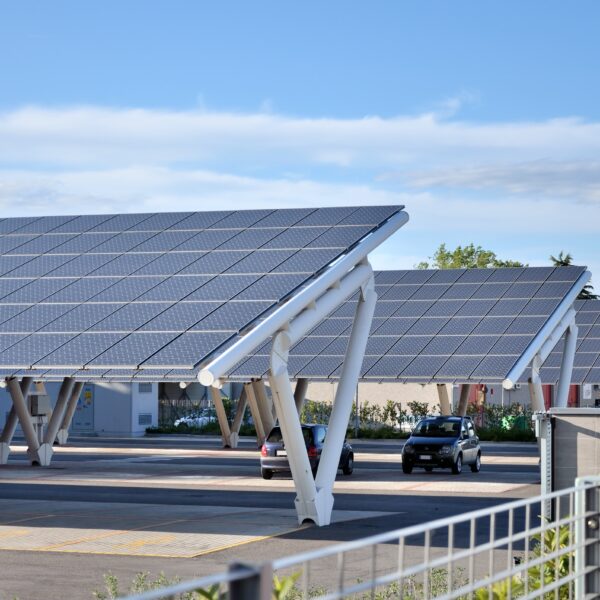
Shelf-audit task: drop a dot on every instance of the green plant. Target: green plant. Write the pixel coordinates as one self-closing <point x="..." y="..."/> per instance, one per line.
<point x="419" y="410"/>
<point x="550" y="571"/>
<point x="284" y="586"/>
<point x="552" y="540"/>
<point x="141" y="583"/>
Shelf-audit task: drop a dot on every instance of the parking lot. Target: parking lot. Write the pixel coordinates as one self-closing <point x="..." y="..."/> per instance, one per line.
<point x="186" y="507"/>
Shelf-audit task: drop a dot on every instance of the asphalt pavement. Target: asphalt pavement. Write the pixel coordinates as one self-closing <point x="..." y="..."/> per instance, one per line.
<point x="167" y="496"/>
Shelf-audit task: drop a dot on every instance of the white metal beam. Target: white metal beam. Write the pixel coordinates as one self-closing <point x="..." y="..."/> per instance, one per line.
<point x="344" y="397"/>
<point x="217" y="400"/>
<point x="536" y="392"/>
<point x="240" y="409"/>
<point x="12" y="420"/>
<point x="25" y="420"/>
<point x="63" y="433"/>
<point x="463" y="401"/>
<point x="300" y="393"/>
<point x="278" y="319"/>
<point x="566" y="365"/>
<point x="264" y="404"/>
<point x="442" y="390"/>
<point x="46" y="449"/>
<point x="258" y="426"/>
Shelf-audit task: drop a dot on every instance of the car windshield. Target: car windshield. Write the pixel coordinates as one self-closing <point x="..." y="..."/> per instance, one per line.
<point x="437" y="428"/>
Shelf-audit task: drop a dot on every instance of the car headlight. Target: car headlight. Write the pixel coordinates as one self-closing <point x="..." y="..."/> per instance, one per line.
<point x="408" y="449"/>
<point x="446" y="450"/>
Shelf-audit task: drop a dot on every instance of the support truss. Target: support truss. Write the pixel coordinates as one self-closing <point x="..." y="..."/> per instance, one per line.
<point x="445" y="406"/>
<point x="300" y="393"/>
<point x="12" y="421"/>
<point x="567" y="327"/>
<point x="39" y="442"/>
<point x="463" y="401"/>
<point x="63" y="433"/>
<point x="314" y="500"/>
<point x="230" y="433"/>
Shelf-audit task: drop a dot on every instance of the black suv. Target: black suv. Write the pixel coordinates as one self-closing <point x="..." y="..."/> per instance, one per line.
<point x="446" y="442"/>
<point x="273" y="455"/>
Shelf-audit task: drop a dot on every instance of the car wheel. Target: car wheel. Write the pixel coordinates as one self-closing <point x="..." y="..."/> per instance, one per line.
<point x="266" y="473"/>
<point x="476" y="466"/>
<point x="429" y="469"/>
<point x="349" y="466"/>
<point x="407" y="468"/>
<point x="457" y="466"/>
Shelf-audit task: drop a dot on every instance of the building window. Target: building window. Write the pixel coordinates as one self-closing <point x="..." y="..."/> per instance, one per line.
<point x="144" y="419"/>
<point x="145" y="388"/>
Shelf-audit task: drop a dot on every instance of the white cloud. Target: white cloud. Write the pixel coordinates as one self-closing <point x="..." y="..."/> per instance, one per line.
<point x="576" y="180"/>
<point x="91" y="136"/>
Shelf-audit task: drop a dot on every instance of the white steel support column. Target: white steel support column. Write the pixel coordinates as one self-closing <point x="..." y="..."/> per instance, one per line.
<point x="63" y="433"/>
<point x="46" y="449"/>
<point x="445" y="408"/>
<point x="463" y="401"/>
<point x="215" y="394"/>
<point x="258" y="426"/>
<point x="265" y="405"/>
<point x="25" y="420"/>
<point x="300" y="393"/>
<point x="344" y="397"/>
<point x="11" y="423"/>
<point x="289" y="421"/>
<point x="566" y="366"/>
<point x="240" y="409"/>
<point x="314" y="500"/>
<point x="536" y="393"/>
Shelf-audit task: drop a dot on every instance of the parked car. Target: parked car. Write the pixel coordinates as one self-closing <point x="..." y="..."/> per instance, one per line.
<point x="446" y="442"/>
<point x="273" y="455"/>
<point x="198" y="419"/>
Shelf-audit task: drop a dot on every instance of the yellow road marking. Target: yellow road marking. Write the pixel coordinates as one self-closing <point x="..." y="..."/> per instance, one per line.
<point x="159" y="539"/>
<point x="108" y="534"/>
<point x="14" y="533"/>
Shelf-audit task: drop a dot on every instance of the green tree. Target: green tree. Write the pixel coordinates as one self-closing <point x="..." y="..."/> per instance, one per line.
<point x="564" y="260"/>
<point x="466" y="257"/>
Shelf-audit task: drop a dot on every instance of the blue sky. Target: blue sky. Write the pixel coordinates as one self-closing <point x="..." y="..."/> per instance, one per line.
<point x="483" y="118"/>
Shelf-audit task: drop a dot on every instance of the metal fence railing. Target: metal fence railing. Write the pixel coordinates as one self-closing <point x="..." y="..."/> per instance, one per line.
<point x="506" y="551"/>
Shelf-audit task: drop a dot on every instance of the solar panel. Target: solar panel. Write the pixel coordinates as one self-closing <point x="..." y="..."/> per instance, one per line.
<point x="104" y="294"/>
<point x="307" y="261"/>
<point x="184" y="350"/>
<point x="78" y="350"/>
<point x="473" y="326"/>
<point x="176" y="288"/>
<point x="270" y="287"/>
<point x="39" y="244"/>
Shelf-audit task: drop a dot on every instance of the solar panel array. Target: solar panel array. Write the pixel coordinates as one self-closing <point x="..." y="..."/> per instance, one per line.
<point x="435" y="325"/>
<point x="155" y="291"/>
<point x="586" y="367"/>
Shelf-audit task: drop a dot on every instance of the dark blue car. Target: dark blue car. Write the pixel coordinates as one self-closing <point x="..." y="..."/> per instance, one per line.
<point x="273" y="455"/>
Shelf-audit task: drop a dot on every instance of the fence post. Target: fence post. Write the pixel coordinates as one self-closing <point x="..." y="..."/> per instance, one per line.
<point x="587" y="537"/>
<point x="257" y="586"/>
<point x="592" y="534"/>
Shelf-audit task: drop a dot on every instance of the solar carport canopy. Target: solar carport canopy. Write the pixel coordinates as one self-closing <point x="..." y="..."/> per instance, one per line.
<point x="121" y="293"/>
<point x="438" y="326"/>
